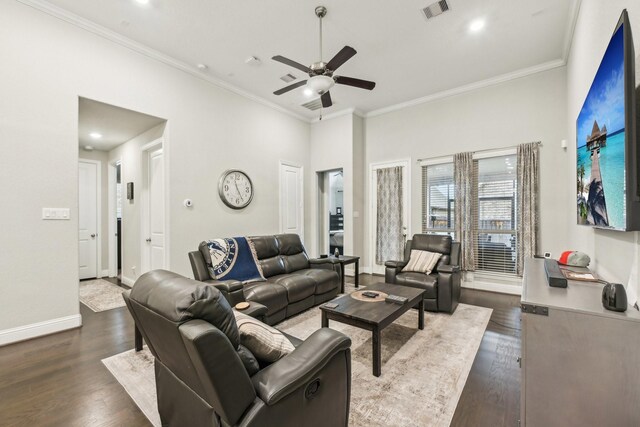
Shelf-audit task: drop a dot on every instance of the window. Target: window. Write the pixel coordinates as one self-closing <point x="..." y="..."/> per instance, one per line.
<point x="438" y="202"/>
<point x="495" y="208"/>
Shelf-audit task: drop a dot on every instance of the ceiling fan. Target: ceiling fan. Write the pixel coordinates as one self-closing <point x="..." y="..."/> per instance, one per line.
<point x="321" y="78"/>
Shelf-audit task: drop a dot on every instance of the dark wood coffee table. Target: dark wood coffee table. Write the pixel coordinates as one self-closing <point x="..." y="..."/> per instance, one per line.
<point x="375" y="316"/>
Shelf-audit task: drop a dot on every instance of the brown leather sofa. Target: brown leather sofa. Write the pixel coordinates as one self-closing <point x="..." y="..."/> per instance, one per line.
<point x="294" y="282"/>
<point x="205" y="377"/>
<point x="443" y="284"/>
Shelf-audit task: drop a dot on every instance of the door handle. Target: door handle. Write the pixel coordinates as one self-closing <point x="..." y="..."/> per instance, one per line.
<point x="93" y="236"/>
<point x="149" y="240"/>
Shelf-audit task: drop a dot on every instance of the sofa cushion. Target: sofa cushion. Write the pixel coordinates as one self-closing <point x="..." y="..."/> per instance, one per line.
<point x="298" y="286"/>
<point x="422" y="261"/>
<point x="273" y="296"/>
<point x="421" y="281"/>
<point x="266" y="246"/>
<point x="289" y="244"/>
<point x="272" y="266"/>
<point x="266" y="343"/>
<point x="295" y="262"/>
<point x="326" y="280"/>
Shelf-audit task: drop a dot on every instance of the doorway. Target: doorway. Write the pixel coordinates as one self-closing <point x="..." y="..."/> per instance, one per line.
<point x="154" y="254"/>
<point x="390" y="211"/>
<point x="332" y="213"/>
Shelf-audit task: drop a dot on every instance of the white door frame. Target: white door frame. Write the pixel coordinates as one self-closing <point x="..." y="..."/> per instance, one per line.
<point x="144" y="197"/>
<point x="282" y="163"/>
<point x="98" y="164"/>
<point x="113" y="220"/>
<point x="373" y="197"/>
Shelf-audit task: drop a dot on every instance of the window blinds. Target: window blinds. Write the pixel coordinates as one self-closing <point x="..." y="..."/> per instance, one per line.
<point x="438" y="196"/>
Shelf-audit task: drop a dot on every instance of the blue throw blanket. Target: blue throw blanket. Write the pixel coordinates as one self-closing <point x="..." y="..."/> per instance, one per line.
<point x="234" y="259"/>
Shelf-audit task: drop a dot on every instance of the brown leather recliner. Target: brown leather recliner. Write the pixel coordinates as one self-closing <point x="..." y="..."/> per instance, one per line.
<point x="205" y="377"/>
<point x="443" y="284"/>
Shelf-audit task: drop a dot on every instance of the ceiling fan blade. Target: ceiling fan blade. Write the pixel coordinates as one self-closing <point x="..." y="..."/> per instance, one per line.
<point x="341" y="57"/>
<point x="326" y="100"/>
<point x="350" y="81"/>
<point x="291" y="63"/>
<point x="290" y="87"/>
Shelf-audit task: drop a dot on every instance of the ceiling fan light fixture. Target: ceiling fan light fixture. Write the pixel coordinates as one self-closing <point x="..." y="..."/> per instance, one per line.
<point x="320" y="84"/>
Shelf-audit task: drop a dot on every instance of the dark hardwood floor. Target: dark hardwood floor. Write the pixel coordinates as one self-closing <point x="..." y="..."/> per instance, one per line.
<point x="59" y="380"/>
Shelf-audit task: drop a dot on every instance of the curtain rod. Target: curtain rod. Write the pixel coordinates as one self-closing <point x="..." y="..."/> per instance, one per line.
<point x="477" y="151"/>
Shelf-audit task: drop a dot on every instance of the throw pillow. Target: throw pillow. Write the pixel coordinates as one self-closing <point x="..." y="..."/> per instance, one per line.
<point x="422" y="261"/>
<point x="266" y="343"/>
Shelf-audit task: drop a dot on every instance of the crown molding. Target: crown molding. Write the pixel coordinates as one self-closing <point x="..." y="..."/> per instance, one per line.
<point x="470" y="87"/>
<point x="126" y="42"/>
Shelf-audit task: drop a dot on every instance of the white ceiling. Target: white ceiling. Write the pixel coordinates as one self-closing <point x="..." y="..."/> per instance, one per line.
<point x="406" y="55"/>
<point x="116" y="125"/>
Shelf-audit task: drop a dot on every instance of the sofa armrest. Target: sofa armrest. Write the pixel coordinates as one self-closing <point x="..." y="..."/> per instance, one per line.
<point x="199" y="266"/>
<point x="446" y="268"/>
<point x="301" y="366"/>
<point x="326" y="264"/>
<point x="398" y="265"/>
<point x="327" y="260"/>
<point x="255" y="310"/>
<point x="232" y="290"/>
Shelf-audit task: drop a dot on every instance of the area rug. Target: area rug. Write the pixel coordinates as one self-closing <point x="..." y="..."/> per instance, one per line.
<point x="101" y="295"/>
<point x="423" y="372"/>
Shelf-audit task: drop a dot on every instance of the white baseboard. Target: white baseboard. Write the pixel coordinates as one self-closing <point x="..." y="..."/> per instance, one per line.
<point x="493" y="287"/>
<point x="127" y="281"/>
<point x="105" y="273"/>
<point x="365" y="270"/>
<point x="21" y="333"/>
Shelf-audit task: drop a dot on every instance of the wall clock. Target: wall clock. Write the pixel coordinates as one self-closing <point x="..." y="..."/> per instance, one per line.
<point x="235" y="189"/>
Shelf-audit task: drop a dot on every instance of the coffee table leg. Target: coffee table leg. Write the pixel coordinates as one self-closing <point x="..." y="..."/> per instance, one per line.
<point x="357" y="273"/>
<point x="325" y="320"/>
<point x="421" y="314"/>
<point x="138" y="338"/>
<point x="377" y="350"/>
<point x="342" y="274"/>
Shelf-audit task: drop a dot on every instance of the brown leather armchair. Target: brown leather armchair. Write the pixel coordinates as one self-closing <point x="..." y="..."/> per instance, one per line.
<point x="205" y="377"/>
<point x="443" y="284"/>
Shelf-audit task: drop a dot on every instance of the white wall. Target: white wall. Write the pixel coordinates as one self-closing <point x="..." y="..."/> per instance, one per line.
<point x="103" y="158"/>
<point x="210" y="129"/>
<point x="528" y="109"/>
<point x="612" y="252"/>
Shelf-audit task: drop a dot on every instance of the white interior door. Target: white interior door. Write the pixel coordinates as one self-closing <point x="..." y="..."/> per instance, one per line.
<point x="156" y="224"/>
<point x="406" y="207"/>
<point x="291" y="200"/>
<point x="88" y="220"/>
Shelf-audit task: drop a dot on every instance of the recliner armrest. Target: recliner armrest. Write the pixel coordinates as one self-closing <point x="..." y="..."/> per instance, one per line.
<point x="302" y="365"/>
<point x="316" y="261"/>
<point x="448" y="268"/>
<point x="228" y="286"/>
<point x="395" y="264"/>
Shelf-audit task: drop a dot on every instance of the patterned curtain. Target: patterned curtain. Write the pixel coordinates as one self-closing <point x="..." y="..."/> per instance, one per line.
<point x="389" y="237"/>
<point x="527" y="203"/>
<point x="465" y="221"/>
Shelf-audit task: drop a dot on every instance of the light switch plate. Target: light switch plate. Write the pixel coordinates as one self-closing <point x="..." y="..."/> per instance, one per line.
<point x="55" y="213"/>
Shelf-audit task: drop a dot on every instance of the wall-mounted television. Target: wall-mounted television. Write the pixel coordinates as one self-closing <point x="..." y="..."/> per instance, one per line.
<point x="607" y="146"/>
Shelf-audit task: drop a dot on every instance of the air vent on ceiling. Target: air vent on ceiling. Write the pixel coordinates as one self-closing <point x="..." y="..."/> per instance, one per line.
<point x="313" y="105"/>
<point x="435" y="9"/>
<point x="288" y="78"/>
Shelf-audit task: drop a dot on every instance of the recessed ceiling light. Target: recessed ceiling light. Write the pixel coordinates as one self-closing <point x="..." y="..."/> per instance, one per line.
<point x="95" y="135"/>
<point x="88" y="148"/>
<point x="202" y="67"/>
<point x="307" y="91"/>
<point x="477" y="25"/>
<point x="143" y="1"/>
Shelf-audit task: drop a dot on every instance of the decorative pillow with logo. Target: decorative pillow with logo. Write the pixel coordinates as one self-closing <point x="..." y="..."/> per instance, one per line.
<point x="266" y="343"/>
<point x="422" y="261"/>
<point x="233" y="259"/>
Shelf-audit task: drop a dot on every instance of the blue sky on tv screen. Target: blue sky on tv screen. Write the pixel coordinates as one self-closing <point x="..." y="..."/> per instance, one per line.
<point x="605" y="100"/>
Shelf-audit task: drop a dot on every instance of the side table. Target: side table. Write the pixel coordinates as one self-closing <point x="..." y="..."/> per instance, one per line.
<point x="346" y="260"/>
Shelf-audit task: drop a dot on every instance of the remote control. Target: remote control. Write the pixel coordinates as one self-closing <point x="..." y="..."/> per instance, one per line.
<point x="370" y="294"/>
<point x="331" y="305"/>
<point x="396" y="299"/>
